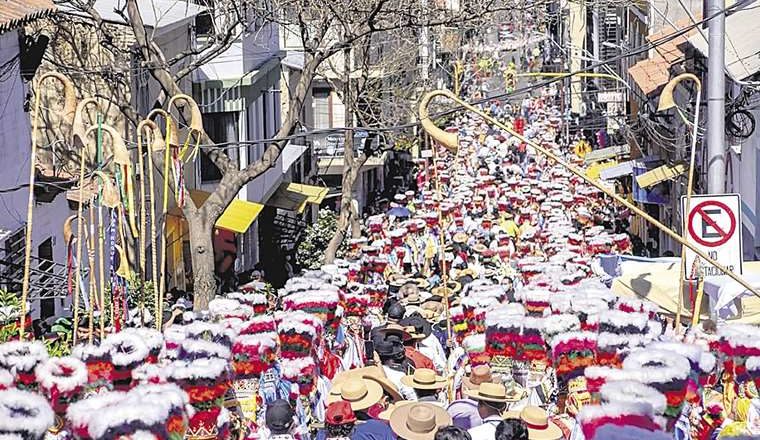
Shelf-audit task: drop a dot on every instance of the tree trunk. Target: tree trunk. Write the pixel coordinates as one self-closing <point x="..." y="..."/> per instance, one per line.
<point x="202" y="252"/>
<point x="345" y="216"/>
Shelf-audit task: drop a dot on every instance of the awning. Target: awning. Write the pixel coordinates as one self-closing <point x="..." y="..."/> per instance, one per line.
<point x="619" y="170"/>
<point x="295" y="196"/>
<point x="594" y="170"/>
<point x="237" y="218"/>
<point x="607" y="153"/>
<point x="742" y="43"/>
<point x="659" y="283"/>
<point x="660" y="174"/>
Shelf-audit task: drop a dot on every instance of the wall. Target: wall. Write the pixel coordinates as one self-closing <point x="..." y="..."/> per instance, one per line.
<point x="577" y="29"/>
<point x="15" y="144"/>
<point x="743" y="179"/>
<point x="664" y="12"/>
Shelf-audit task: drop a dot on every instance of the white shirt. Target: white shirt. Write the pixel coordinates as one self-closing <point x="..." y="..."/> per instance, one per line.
<point x="432" y="348"/>
<point x="486" y="431"/>
<point x="395" y="376"/>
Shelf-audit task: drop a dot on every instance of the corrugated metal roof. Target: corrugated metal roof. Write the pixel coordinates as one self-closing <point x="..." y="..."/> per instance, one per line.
<point x="16" y="13"/>
<point x="742" y="43"/>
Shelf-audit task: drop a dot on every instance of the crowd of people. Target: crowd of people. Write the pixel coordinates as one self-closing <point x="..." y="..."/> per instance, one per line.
<point x="472" y="309"/>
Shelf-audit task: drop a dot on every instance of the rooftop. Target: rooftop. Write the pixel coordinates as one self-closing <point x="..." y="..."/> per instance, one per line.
<point x="17" y="13"/>
<point x="654" y="72"/>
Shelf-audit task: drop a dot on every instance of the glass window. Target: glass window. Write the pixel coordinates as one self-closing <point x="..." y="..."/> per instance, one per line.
<point x="321" y="108"/>
<point x="221" y="128"/>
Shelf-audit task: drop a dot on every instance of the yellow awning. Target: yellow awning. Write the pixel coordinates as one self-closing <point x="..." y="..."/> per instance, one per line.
<point x="295" y="196"/>
<point x="595" y="169"/>
<point x="239" y="216"/>
<point x="661" y="174"/>
<point x="236" y="218"/>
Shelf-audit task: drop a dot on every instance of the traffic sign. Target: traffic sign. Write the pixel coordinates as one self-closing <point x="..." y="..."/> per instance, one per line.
<point x="713" y="225"/>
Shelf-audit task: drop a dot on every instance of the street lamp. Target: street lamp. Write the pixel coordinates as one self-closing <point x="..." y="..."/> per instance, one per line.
<point x="450" y="141"/>
<point x="667" y="102"/>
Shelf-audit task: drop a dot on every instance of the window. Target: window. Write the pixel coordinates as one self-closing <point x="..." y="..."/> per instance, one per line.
<point x="220" y="127"/>
<point x="321" y="108"/>
<point x="45" y="253"/>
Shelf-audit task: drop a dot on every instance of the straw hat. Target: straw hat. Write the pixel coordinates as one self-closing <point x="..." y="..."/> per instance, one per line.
<point x="460" y="238"/>
<point x="489" y="392"/>
<point x="395" y="329"/>
<point x="424" y="379"/>
<point x="413" y="299"/>
<point x="359" y="392"/>
<point x="539" y="426"/>
<point x="372" y="373"/>
<point x="479" y="374"/>
<point x="386" y="413"/>
<point x="480" y="248"/>
<point x="419" y="421"/>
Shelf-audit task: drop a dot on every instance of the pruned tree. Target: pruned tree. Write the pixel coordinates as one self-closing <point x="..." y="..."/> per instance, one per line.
<point x="324" y="28"/>
<point x="379" y="89"/>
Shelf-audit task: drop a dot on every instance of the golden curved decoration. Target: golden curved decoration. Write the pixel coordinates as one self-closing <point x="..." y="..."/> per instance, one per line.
<point x="69" y="94"/>
<point x="108" y="189"/>
<point x="78" y="130"/>
<point x="171" y="135"/>
<point x="121" y="158"/>
<point x="449" y="140"/>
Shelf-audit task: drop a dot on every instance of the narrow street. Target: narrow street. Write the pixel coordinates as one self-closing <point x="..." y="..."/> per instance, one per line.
<point x="373" y="220"/>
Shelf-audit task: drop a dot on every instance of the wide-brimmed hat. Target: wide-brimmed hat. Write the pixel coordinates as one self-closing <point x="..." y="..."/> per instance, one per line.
<point x="480" y="248"/>
<point x="453" y="287"/>
<point x="395" y="329"/>
<point x="388" y="348"/>
<point x="374" y="373"/>
<point x="489" y="392"/>
<point x="361" y="393"/>
<point x="460" y="238"/>
<point x="424" y="379"/>
<point x="420" y="324"/>
<point x="538" y="423"/>
<point x="418" y="421"/>
<point x="478" y="375"/>
<point x="386" y="413"/>
<point x="413" y="299"/>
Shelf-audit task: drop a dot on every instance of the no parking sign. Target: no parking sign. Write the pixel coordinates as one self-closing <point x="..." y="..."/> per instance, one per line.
<point x="713" y="225"/>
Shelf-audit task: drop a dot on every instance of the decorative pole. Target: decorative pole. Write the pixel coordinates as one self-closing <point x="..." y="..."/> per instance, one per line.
<point x="68" y="110"/>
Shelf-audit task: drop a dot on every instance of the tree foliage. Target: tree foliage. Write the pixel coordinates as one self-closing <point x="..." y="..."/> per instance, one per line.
<point x="311" y="250"/>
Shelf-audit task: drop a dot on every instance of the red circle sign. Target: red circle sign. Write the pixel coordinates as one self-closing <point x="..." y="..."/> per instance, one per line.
<point x="724" y="235"/>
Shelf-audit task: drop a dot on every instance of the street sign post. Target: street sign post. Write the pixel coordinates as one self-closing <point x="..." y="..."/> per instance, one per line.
<point x="713" y="224"/>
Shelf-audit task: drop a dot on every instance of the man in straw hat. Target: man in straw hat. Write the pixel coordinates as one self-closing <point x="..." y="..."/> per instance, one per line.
<point x="362" y="395"/>
<point x="464" y="411"/>
<point x="426" y="385"/>
<point x="538" y="423"/>
<point x="492" y="403"/>
<point x="418" y="421"/>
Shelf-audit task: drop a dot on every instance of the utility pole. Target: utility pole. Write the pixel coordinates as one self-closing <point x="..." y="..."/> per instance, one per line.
<point x="716" y="89"/>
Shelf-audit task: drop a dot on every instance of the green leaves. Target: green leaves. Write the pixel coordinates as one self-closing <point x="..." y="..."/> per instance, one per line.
<point x="312" y="249"/>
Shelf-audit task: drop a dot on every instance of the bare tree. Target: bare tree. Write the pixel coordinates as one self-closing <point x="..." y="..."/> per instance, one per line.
<point x="379" y="90"/>
<point x="325" y="28"/>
